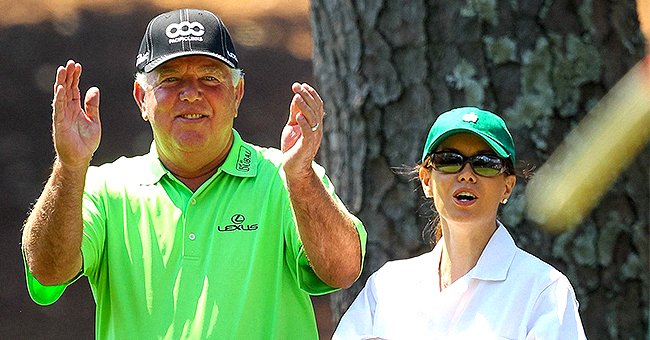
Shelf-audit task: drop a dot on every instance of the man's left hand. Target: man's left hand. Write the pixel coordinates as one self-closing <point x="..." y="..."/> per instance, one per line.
<point x="302" y="135"/>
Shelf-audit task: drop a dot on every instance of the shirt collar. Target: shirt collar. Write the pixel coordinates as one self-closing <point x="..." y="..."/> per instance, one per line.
<point x="152" y="169"/>
<point x="495" y="261"/>
<point x="241" y="161"/>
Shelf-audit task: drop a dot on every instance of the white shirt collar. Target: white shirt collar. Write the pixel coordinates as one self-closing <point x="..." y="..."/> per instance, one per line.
<point x="495" y="260"/>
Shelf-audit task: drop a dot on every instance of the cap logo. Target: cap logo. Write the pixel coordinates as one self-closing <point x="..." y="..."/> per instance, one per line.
<point x="470" y="117"/>
<point x="142" y="58"/>
<point x="232" y="55"/>
<point x="182" y="31"/>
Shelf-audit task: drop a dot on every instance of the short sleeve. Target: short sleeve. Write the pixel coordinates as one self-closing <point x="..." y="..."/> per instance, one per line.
<point x="42" y="294"/>
<point x="555" y="313"/>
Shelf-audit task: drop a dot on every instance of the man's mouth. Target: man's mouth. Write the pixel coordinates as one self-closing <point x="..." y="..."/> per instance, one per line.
<point x="192" y="116"/>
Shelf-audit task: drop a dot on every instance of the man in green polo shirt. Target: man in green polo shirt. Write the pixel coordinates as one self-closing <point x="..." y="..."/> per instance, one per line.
<point x="206" y="236"/>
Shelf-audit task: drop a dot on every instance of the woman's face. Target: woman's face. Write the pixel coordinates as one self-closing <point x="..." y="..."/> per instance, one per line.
<point x="465" y="197"/>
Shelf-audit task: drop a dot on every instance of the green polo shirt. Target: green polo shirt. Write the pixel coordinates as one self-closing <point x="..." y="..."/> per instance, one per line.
<point x="224" y="262"/>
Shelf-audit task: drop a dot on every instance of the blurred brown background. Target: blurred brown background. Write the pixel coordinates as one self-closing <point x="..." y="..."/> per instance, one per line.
<point x="273" y="42"/>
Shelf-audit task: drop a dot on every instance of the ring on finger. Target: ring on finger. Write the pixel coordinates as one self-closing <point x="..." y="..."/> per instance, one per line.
<point x="315" y="127"/>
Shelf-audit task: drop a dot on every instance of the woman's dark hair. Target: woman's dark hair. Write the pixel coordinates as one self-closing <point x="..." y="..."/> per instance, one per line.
<point x="432" y="231"/>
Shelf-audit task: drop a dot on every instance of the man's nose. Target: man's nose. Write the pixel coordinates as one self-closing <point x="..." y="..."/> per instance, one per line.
<point x="190" y="91"/>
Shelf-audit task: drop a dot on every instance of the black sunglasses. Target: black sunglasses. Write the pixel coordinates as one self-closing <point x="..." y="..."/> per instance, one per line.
<point x="451" y="162"/>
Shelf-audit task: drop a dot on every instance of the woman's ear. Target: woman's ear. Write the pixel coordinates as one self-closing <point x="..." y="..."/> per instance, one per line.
<point x="425" y="180"/>
<point x="510" y="181"/>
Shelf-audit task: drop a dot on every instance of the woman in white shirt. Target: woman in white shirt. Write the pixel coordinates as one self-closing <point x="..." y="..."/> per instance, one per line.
<point x="475" y="283"/>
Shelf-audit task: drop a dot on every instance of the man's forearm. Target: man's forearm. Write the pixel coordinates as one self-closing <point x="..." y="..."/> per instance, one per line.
<point x="53" y="230"/>
<point x="328" y="234"/>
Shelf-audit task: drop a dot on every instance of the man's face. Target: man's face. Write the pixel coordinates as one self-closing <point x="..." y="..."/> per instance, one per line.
<point x="191" y="104"/>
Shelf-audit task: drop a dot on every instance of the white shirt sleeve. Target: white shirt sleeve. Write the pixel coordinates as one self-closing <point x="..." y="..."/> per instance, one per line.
<point x="357" y="322"/>
<point x="555" y="313"/>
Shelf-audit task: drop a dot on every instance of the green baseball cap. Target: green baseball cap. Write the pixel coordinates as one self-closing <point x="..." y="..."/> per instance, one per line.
<point x="485" y="124"/>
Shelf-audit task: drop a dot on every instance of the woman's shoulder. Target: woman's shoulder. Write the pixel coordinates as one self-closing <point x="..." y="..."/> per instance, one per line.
<point x="405" y="269"/>
<point x="523" y="266"/>
<point x="528" y="265"/>
<point x="415" y="261"/>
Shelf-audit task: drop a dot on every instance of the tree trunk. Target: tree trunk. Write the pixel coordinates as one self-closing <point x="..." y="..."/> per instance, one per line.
<point x="386" y="69"/>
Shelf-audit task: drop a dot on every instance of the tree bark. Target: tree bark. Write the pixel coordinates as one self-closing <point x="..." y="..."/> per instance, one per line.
<point x="386" y="69"/>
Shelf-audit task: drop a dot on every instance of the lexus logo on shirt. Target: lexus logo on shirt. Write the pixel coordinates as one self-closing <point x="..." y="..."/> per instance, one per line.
<point x="185" y="31"/>
<point x="237" y="223"/>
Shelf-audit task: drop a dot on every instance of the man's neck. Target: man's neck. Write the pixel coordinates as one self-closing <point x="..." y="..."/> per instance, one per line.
<point x="193" y="183"/>
<point x="193" y="169"/>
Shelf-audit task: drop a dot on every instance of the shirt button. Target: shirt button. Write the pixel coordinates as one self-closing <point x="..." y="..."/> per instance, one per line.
<point x="192" y="236"/>
<point x="193" y="201"/>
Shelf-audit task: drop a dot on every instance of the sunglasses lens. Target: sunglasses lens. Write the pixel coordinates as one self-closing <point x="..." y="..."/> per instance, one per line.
<point x="447" y="162"/>
<point x="452" y="162"/>
<point x="487" y="165"/>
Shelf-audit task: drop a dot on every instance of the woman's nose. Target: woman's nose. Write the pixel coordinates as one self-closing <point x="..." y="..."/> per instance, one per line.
<point x="466" y="174"/>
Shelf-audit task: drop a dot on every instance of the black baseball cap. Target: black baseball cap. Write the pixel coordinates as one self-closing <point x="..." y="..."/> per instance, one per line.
<point x="185" y="32"/>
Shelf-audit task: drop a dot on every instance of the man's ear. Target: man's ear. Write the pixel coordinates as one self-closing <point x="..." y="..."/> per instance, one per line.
<point x="425" y="180"/>
<point x="138" y="95"/>
<point x="239" y="94"/>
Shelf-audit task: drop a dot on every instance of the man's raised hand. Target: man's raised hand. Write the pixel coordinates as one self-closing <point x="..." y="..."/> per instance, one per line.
<point x="303" y="133"/>
<point x="76" y="131"/>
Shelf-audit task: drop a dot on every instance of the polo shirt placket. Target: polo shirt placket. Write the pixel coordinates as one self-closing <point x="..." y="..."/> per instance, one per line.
<point x="195" y="234"/>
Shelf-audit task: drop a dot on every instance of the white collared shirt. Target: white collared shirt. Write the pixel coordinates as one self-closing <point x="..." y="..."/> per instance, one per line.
<point x="509" y="294"/>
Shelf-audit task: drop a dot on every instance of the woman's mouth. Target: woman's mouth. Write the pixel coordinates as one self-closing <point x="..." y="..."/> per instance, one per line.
<point x="465" y="197"/>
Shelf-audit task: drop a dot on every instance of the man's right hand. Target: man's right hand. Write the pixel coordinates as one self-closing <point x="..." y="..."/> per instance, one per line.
<point x="53" y="231"/>
<point x="76" y="131"/>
